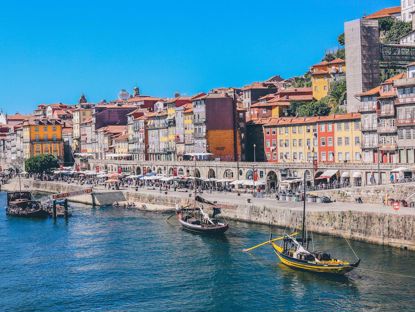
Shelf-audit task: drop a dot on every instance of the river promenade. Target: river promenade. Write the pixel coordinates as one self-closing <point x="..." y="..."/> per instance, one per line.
<point x="374" y="223"/>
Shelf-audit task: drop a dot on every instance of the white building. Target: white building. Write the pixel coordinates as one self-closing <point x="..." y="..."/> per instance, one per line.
<point x="407" y="10"/>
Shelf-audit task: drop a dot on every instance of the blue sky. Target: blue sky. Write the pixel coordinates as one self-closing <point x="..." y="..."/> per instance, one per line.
<point x="52" y="51"/>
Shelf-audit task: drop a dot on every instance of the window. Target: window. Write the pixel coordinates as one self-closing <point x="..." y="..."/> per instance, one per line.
<point x="300" y="130"/>
<point x="274" y="142"/>
<point x="45" y="128"/>
<point x="323" y="156"/>
<point x="340" y="156"/>
<point x="268" y="156"/>
<point x="308" y="143"/>
<point x="280" y="130"/>
<point x="347" y="156"/>
<point x="308" y="129"/>
<point x="323" y="141"/>
<point x="294" y="156"/>
<point x="331" y="156"/>
<point x="357" y="156"/>
<point x="329" y="127"/>
<point x="287" y="143"/>
<point x="330" y="141"/>
<point x="294" y="142"/>
<point x="286" y="130"/>
<point x="339" y="126"/>
<point x="357" y="125"/>
<point x="268" y="144"/>
<point x="315" y="142"/>
<point x="54" y="128"/>
<point x="357" y="140"/>
<point x="281" y="156"/>
<point x="281" y="143"/>
<point x="294" y="129"/>
<point x="347" y="141"/>
<point x="300" y="156"/>
<point x="54" y="137"/>
<point x="308" y="156"/>
<point x="346" y="126"/>
<point x="300" y="142"/>
<point x="339" y="141"/>
<point x="267" y="131"/>
<point x="322" y="127"/>
<point x="37" y="129"/>
<point x="274" y="131"/>
<point x="45" y="137"/>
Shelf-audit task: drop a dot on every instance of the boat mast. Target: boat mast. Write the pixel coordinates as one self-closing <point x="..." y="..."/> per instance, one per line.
<point x="305" y="195"/>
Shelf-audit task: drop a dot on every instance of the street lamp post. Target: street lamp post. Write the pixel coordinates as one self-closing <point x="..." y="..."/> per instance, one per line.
<point x="253" y="170"/>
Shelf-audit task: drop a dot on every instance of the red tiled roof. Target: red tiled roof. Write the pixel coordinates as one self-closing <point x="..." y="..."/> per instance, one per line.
<point x="396" y="77"/>
<point x="384" y="13"/>
<point x="370" y="92"/>
<point x="310" y="120"/>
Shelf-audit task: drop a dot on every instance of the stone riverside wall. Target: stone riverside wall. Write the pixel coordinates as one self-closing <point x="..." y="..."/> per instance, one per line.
<point x="372" y="194"/>
<point x="397" y="230"/>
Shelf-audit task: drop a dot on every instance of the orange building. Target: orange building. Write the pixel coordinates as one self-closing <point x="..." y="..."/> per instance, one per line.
<point x="42" y="136"/>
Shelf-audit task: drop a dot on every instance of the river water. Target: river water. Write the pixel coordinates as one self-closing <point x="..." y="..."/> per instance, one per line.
<point x="107" y="259"/>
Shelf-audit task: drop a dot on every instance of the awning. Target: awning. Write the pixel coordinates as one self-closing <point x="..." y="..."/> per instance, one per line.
<point x="357" y="175"/>
<point x="401" y="169"/>
<point x="345" y="174"/>
<point x="291" y="181"/>
<point x="328" y="174"/>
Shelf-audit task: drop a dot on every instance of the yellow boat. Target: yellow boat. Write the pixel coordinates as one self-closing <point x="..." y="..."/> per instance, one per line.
<point x="294" y="252"/>
<point x="294" y="255"/>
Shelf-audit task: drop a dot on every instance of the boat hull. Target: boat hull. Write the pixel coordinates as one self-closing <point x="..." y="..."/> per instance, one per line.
<point x="38" y="214"/>
<point x="334" y="269"/>
<point x="220" y="229"/>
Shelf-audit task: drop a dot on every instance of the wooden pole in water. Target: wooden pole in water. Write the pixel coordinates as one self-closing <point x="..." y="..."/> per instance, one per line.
<point x="65" y="205"/>
<point x="54" y="209"/>
<point x="93" y="200"/>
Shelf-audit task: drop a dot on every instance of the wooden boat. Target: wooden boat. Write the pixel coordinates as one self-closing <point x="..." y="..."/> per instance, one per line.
<point x="294" y="252"/>
<point x="196" y="220"/>
<point x="20" y="204"/>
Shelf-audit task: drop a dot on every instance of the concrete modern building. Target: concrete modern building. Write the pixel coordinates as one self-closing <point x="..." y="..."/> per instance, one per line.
<point x="363" y="59"/>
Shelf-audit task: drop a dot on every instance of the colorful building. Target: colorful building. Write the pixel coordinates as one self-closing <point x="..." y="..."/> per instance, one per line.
<point x="42" y="136"/>
<point x="329" y="139"/>
<point x="324" y="74"/>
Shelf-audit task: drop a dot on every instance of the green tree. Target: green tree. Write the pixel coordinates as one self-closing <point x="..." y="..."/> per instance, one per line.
<point x="385" y="24"/>
<point x="42" y="163"/>
<point x="316" y="108"/>
<point x="340" y="39"/>
<point x="396" y="31"/>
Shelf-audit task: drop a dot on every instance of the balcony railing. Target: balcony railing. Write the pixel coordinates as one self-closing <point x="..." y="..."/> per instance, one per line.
<point x="388" y="146"/>
<point x="405" y="100"/>
<point x="199" y="135"/>
<point x="369" y="145"/>
<point x="405" y="122"/>
<point x="369" y="127"/>
<point x="367" y="107"/>
<point x="199" y="121"/>
<point x="387" y="129"/>
<point x="386" y="113"/>
<point x="404" y="82"/>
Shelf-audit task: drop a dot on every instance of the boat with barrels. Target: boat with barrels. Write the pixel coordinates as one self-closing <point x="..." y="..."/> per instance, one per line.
<point x="295" y="253"/>
<point x="195" y="219"/>
<point x="21" y="204"/>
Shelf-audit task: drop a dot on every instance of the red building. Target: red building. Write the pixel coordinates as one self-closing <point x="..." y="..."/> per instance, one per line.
<point x="326" y="153"/>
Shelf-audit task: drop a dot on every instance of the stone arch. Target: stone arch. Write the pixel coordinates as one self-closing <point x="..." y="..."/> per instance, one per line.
<point x="138" y="171"/>
<point x="180" y="171"/>
<point x="228" y="174"/>
<point x="249" y="174"/>
<point x="196" y="173"/>
<point x="149" y="170"/>
<point x="272" y="180"/>
<point x="159" y="170"/>
<point x="308" y="175"/>
<point x="171" y="171"/>
<point x="211" y="174"/>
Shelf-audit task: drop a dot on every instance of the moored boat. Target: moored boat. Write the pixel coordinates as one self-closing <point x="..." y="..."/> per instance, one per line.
<point x="294" y="252"/>
<point x="196" y="220"/>
<point x="20" y="204"/>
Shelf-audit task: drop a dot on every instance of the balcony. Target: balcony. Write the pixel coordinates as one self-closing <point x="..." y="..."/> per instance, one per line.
<point x="387" y="129"/>
<point x="405" y="122"/>
<point x="405" y="100"/>
<point x="386" y="113"/>
<point x="199" y="121"/>
<point x="369" y="127"/>
<point x="199" y="135"/>
<point x="367" y="107"/>
<point x="388" y="146"/>
<point x="369" y="145"/>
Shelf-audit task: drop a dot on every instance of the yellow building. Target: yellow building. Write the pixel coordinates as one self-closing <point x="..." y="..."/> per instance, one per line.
<point x="323" y="74"/>
<point x="42" y="136"/>
<point x="331" y="139"/>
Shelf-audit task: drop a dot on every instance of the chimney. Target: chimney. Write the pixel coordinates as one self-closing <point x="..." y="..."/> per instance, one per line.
<point x="177" y="94"/>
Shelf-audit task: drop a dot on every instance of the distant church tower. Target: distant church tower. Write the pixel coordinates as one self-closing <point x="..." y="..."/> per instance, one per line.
<point x="82" y="99"/>
<point x="136" y="91"/>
